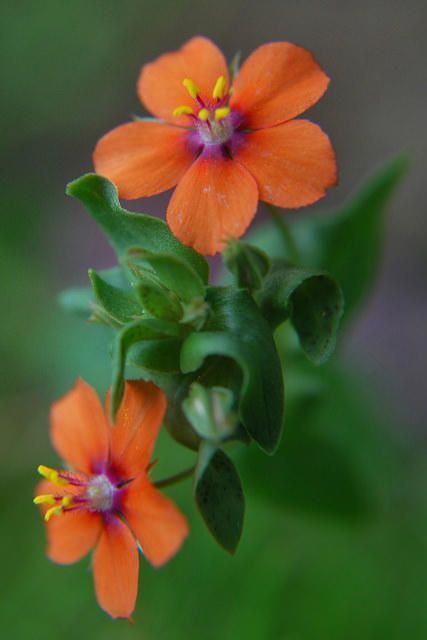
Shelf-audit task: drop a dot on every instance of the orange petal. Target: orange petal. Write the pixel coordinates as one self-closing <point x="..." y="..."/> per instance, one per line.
<point x="276" y="83"/>
<point x="137" y="425"/>
<point x="293" y="163"/>
<point x="160" y="83"/>
<point x="71" y="535"/>
<point x="143" y="158"/>
<point x="115" y="569"/>
<point x="216" y="199"/>
<point x="79" y="429"/>
<point x="155" y="520"/>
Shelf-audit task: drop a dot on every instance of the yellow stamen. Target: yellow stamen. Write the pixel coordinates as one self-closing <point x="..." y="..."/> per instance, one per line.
<point x="67" y="501"/>
<point x="219" y="88"/>
<point x="53" y="511"/>
<point x="52" y="475"/>
<point x="203" y="115"/>
<point x="182" y="110"/>
<point x="47" y="498"/>
<point x="191" y="87"/>
<point x="222" y="113"/>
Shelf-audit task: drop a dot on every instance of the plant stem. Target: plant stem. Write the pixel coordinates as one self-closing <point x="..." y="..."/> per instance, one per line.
<point x="178" y="477"/>
<point x="285" y="232"/>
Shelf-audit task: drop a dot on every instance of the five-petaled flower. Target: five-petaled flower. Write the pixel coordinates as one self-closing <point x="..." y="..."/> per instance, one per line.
<point x="224" y="147"/>
<point x="108" y="502"/>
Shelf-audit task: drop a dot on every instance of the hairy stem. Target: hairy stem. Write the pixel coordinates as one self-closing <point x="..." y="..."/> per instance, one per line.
<point x="178" y="477"/>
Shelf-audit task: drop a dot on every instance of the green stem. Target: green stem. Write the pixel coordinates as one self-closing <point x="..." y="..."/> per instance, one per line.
<point x="178" y="477"/>
<point x="285" y="232"/>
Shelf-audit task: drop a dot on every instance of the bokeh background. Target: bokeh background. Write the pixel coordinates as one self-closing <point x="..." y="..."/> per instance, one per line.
<point x="68" y="72"/>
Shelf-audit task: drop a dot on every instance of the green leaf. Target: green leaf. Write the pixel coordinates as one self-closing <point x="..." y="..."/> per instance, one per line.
<point x="118" y="303"/>
<point x="248" y="264"/>
<point x="237" y="330"/>
<point x="311" y="299"/>
<point x="80" y="301"/>
<point x="141" y="330"/>
<point x="219" y="496"/>
<point x="157" y="355"/>
<point x="173" y="272"/>
<point x="125" y="229"/>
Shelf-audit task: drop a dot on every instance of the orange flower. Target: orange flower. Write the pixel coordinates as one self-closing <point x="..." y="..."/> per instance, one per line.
<point x="225" y="147"/>
<point x="108" y="502"/>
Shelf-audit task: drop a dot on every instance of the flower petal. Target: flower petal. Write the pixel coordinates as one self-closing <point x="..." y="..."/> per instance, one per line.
<point x="137" y="425"/>
<point x="216" y="199"/>
<point x="293" y="163"/>
<point x="160" y="86"/>
<point x="71" y="535"/>
<point x="143" y="158"/>
<point x="115" y="569"/>
<point x="158" y="525"/>
<point x="277" y="82"/>
<point x="79" y="429"/>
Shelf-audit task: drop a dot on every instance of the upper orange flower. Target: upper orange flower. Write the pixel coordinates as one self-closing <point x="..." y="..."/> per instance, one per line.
<point x="108" y="502"/>
<point x="225" y="147"/>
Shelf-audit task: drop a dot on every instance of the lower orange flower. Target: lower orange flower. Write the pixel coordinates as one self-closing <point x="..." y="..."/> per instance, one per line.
<point x="108" y="503"/>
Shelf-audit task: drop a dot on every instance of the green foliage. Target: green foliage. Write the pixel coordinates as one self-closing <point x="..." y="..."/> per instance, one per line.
<point x="248" y="264"/>
<point x="237" y="330"/>
<point x="311" y="299"/>
<point x="219" y="496"/>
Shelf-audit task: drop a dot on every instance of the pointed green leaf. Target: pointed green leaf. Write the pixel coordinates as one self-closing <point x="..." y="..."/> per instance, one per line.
<point x="219" y="496"/>
<point x="118" y="303"/>
<point x="237" y="330"/>
<point x="80" y="301"/>
<point x="311" y="299"/>
<point x="125" y="229"/>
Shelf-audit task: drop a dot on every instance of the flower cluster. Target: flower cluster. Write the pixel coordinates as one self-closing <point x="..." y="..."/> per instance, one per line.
<point x="225" y="140"/>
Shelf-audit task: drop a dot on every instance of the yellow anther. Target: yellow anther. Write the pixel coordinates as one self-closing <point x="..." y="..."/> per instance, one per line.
<point x="191" y="87"/>
<point x="53" y="511"/>
<point x="219" y="88"/>
<point x="47" y="498"/>
<point x="182" y="110"/>
<point x="222" y="113"/>
<point x="52" y="475"/>
<point x="203" y="115"/>
<point x="67" y="501"/>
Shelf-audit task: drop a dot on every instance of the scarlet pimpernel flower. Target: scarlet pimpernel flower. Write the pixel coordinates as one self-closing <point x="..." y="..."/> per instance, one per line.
<point x="224" y="145"/>
<point x="107" y="502"/>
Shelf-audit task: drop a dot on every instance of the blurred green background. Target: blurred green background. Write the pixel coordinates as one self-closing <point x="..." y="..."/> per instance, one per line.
<point x="335" y="541"/>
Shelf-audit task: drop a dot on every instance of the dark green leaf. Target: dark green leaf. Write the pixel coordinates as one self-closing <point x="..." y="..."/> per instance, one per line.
<point x="125" y="229"/>
<point x="118" y="303"/>
<point x="219" y="496"/>
<point x="237" y="330"/>
<point x="311" y="299"/>
<point x="158" y="355"/>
